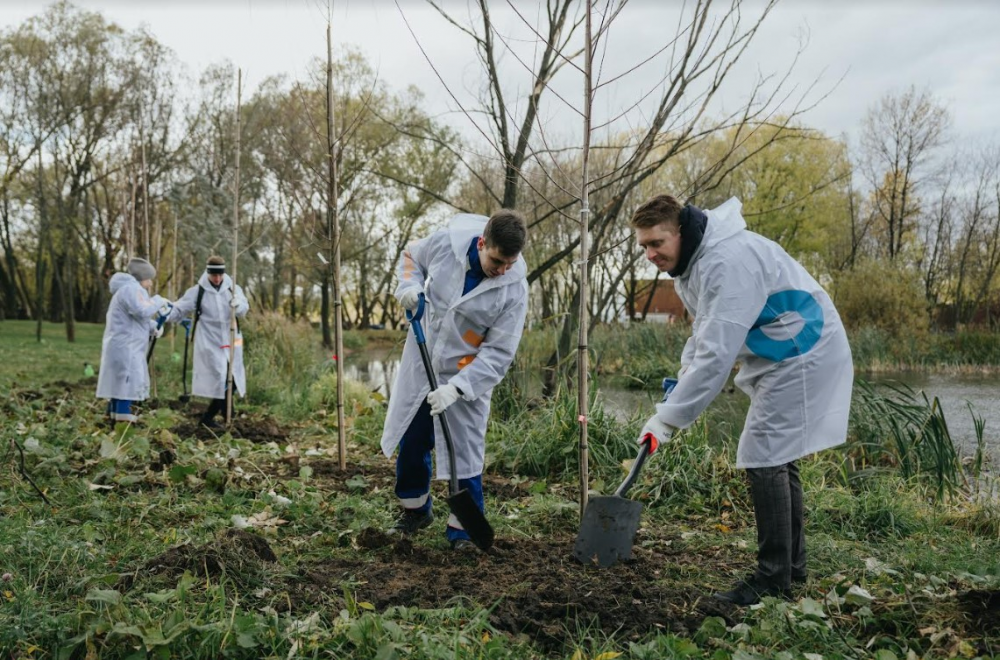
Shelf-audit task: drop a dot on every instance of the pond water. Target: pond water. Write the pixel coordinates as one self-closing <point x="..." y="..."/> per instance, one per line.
<point x="955" y="392"/>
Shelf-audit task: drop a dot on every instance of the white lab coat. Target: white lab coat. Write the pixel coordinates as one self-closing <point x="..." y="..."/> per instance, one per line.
<point x="753" y="304"/>
<point x="129" y="324"/>
<point x="471" y="340"/>
<point x="211" y="337"/>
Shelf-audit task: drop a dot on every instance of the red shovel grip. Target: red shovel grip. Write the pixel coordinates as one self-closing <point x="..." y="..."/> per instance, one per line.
<point x="653" y="443"/>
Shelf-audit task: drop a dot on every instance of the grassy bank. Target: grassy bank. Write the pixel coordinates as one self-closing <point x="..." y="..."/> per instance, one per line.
<point x="164" y="540"/>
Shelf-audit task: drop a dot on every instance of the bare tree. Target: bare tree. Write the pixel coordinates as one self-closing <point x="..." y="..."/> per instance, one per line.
<point x="900" y="137"/>
<point x="978" y="250"/>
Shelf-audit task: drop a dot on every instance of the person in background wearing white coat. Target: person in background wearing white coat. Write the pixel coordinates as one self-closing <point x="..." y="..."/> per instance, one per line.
<point x="753" y="304"/>
<point x="124" y="374"/>
<point x="209" y="303"/>
<point x="474" y="280"/>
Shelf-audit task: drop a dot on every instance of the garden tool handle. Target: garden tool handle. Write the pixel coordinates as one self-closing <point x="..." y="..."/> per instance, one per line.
<point x="415" y="316"/>
<point x="418" y="333"/>
<point x="636" y="466"/>
<point x="184" y="369"/>
<point x="152" y="343"/>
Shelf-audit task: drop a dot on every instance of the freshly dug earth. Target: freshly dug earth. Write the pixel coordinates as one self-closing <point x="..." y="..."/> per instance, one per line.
<point x="257" y="431"/>
<point x="239" y="554"/>
<point x="534" y="587"/>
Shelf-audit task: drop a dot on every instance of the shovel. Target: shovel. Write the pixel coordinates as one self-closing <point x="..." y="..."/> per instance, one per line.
<point x="185" y="397"/>
<point x="610" y="523"/>
<point x="461" y="503"/>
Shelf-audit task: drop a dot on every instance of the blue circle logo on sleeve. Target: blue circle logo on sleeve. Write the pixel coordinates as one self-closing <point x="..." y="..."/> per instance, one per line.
<point x="799" y="304"/>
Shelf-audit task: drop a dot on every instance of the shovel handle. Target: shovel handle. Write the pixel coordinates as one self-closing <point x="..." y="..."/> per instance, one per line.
<point x="636" y="466"/>
<point x="648" y="445"/>
<point x="418" y="333"/>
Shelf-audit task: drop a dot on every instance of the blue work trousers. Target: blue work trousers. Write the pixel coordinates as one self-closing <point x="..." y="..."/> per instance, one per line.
<point x="414" y="471"/>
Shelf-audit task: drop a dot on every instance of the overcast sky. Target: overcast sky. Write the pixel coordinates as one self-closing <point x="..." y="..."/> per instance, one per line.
<point x="871" y="47"/>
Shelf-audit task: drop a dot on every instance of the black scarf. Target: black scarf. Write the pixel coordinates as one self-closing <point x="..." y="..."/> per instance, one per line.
<point x="692" y="226"/>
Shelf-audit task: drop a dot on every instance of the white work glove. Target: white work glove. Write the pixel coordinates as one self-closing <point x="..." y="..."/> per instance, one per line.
<point x="158" y="332"/>
<point x="442" y="397"/>
<point x="659" y="431"/>
<point x="409" y="298"/>
<point x="234" y="302"/>
<point x="165" y="310"/>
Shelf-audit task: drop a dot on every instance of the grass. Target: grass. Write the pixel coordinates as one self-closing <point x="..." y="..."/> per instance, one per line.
<point x="143" y="553"/>
<point x="28" y="361"/>
<point x="970" y="351"/>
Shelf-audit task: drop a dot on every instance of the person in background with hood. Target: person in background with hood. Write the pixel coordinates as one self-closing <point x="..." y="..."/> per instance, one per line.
<point x="209" y="303"/>
<point x="475" y="283"/>
<point x="753" y="304"/>
<point x="124" y="374"/>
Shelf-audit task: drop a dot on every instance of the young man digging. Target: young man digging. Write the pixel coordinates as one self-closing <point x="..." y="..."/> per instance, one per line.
<point x="753" y="304"/>
<point x="474" y="281"/>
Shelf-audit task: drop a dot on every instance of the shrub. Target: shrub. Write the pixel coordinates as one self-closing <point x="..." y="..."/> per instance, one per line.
<point x="282" y="358"/>
<point x="882" y="295"/>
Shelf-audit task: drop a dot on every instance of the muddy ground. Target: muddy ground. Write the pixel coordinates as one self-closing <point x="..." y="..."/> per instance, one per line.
<point x="532" y="587"/>
<point x="535" y="588"/>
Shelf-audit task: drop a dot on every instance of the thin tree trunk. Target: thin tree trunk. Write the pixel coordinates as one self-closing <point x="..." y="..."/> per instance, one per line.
<point x="43" y="239"/>
<point x="583" y="368"/>
<point x="230" y="384"/>
<point x="334" y="232"/>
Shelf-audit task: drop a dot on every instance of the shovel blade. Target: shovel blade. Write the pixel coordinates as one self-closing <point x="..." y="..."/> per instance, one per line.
<point x="473" y="520"/>
<point x="608" y="530"/>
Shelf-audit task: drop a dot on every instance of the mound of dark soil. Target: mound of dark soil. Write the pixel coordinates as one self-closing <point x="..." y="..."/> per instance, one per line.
<point x="535" y="587"/>
<point x="983" y="609"/>
<point x="236" y="553"/>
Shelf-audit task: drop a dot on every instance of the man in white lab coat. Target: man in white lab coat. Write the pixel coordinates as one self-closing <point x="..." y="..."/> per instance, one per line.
<point x="124" y="374"/>
<point x="474" y="280"/>
<point x="754" y="305"/>
<point x="209" y="302"/>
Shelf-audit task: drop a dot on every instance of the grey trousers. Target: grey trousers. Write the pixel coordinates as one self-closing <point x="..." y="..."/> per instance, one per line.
<point x="781" y="539"/>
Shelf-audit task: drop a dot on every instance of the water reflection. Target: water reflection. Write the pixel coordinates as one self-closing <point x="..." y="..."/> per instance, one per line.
<point x="956" y="393"/>
<point x="376" y="368"/>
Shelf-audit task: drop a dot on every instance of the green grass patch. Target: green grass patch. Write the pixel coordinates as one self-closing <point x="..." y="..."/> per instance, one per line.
<point x="166" y="542"/>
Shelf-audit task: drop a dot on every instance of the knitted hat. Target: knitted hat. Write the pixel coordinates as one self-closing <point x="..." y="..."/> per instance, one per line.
<point x="141" y="269"/>
<point x="216" y="265"/>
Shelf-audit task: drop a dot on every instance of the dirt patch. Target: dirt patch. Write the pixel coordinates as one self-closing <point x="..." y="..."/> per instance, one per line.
<point x="358" y="477"/>
<point x="534" y="587"/>
<point x="257" y="431"/>
<point x="983" y="609"/>
<point x="238" y="554"/>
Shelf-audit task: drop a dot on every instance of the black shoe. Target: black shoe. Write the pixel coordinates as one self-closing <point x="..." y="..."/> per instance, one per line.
<point x="412" y="521"/>
<point x="798" y="580"/>
<point x="749" y="592"/>
<point x="463" y="545"/>
<point x="211" y="424"/>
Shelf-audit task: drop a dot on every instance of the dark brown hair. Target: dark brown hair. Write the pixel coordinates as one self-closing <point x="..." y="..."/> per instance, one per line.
<point x="662" y="209"/>
<point x="507" y="231"/>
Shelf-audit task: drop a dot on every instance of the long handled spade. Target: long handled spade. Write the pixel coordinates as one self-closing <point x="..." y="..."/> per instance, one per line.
<point x="461" y="503"/>
<point x="185" y="397"/>
<point x="610" y="523"/>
